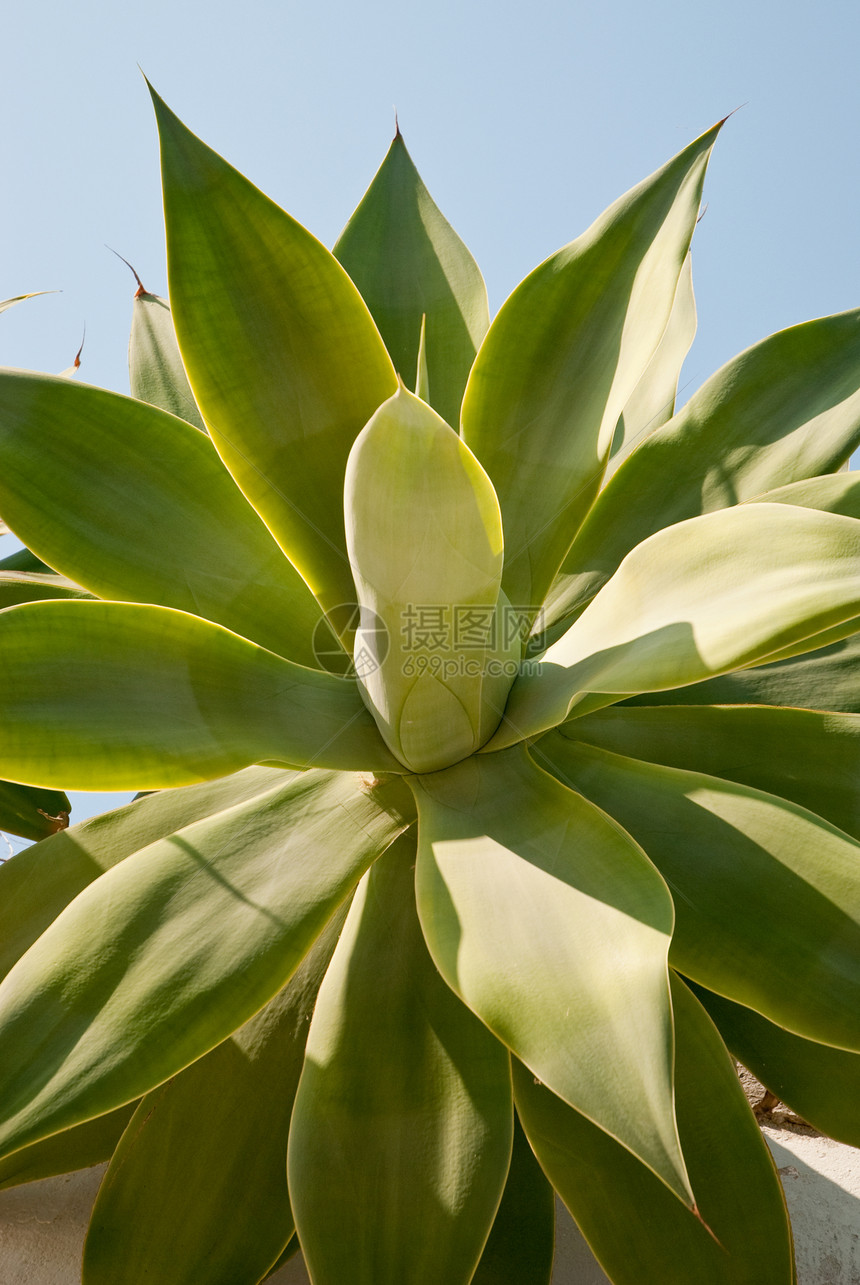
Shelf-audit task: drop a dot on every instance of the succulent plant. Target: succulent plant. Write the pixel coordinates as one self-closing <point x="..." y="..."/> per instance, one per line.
<point x="498" y="781"/>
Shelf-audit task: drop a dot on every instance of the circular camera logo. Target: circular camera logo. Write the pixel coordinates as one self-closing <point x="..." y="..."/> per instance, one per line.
<point x="345" y="621"/>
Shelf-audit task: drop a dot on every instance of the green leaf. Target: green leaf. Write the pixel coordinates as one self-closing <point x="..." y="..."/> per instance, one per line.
<point x="409" y="263"/>
<point x="521" y="1244"/>
<point x="218" y="1129"/>
<point x="166" y="954"/>
<point x="38" y="883"/>
<point x="815" y="1080"/>
<point x="553" y="927"/>
<point x="114" y="696"/>
<point x="401" y="1133"/>
<point x="784" y="410"/>
<point x="155" y="368"/>
<point x="640" y="1235"/>
<point x="825" y="679"/>
<point x="87" y="1144"/>
<point x="36" y="586"/>
<point x="157" y="518"/>
<point x="32" y="814"/>
<point x="562" y="359"/>
<point x="810" y="757"/>
<point x="283" y="357"/>
<point x="424" y="534"/>
<point x="834" y="493"/>
<point x="652" y="402"/>
<point x="695" y="600"/>
<point x="767" y="898"/>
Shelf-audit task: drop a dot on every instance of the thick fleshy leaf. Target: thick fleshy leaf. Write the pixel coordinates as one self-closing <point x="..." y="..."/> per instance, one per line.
<point x="640" y="1235"/>
<point x="833" y="493"/>
<point x="218" y="1129"/>
<point x="156" y="518"/>
<point x="828" y="679"/>
<point x="156" y="372"/>
<point x="521" y="1245"/>
<point x="696" y="600"/>
<point x="36" y="586"/>
<point x="562" y="359"/>
<point x="767" y="895"/>
<point x="815" y="1080"/>
<point x="549" y="922"/>
<point x="786" y="409"/>
<point x="31" y="813"/>
<point x="283" y="357"/>
<point x="87" y="1144"/>
<point x="38" y="883"/>
<point x="424" y="534"/>
<point x="409" y="263"/>
<point x="402" y="1129"/>
<point x="652" y="401"/>
<point x="114" y="696"/>
<point x="166" y="954"/>
<point x="810" y="757"/>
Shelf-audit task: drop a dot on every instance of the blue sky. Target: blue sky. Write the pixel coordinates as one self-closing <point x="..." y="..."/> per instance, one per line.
<point x="524" y="121"/>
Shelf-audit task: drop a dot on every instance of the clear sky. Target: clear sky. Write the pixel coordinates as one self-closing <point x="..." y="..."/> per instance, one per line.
<point x="525" y="120"/>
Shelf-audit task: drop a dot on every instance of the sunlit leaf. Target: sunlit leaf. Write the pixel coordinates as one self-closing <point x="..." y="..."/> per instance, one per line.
<point x="424" y="534"/>
<point x="157" y="517"/>
<point x="166" y="954"/>
<point x="640" y="1235"/>
<point x="696" y="600"/>
<point x="563" y="357"/>
<point x="652" y="401"/>
<point x="767" y="900"/>
<point x="409" y="264"/>
<point x="283" y="357"/>
<point x="786" y="409"/>
<point x="401" y="1134"/>
<point x="825" y="679"/>
<point x="114" y="696"/>
<point x="38" y="883"/>
<point x="218" y="1129"/>
<point x="810" y="757"/>
<point x="549" y="922"/>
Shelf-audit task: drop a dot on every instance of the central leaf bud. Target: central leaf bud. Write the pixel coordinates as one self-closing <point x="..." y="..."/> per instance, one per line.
<point x="438" y="644"/>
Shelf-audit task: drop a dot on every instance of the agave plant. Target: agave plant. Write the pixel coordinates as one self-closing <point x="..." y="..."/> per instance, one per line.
<point x="500" y="781"/>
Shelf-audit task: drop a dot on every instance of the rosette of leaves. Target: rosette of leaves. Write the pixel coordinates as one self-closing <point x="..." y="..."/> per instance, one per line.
<point x="502" y="781"/>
